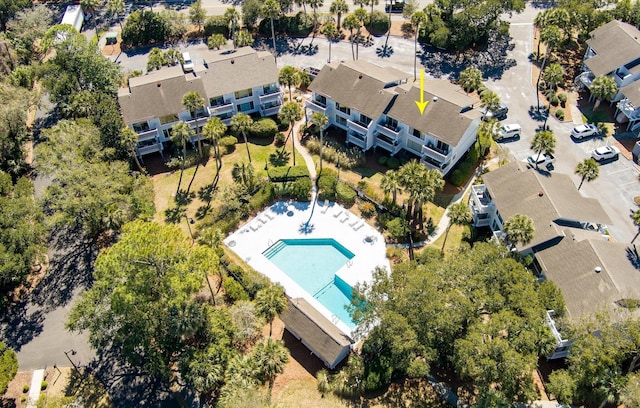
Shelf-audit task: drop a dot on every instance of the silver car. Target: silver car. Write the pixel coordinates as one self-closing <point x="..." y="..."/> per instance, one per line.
<point x="606" y="153"/>
<point x="582" y="131"/>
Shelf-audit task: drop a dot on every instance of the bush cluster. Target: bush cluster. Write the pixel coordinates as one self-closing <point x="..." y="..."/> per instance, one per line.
<point x="378" y="22"/>
<point x="335" y="153"/>
<point x="278" y="173"/>
<point x="227" y="144"/>
<point x="560" y="114"/>
<point x="465" y="168"/>
<point x="144" y="27"/>
<point x="299" y="25"/>
<point x="367" y="209"/>
<point x="264" y="128"/>
<point x="216" y="25"/>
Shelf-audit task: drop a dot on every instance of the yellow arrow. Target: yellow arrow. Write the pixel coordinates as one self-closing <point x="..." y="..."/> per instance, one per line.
<point x="422" y="104"/>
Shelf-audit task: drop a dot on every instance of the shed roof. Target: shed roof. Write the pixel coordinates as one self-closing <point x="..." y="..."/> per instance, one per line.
<point x="321" y="336"/>
<point x="616" y="44"/>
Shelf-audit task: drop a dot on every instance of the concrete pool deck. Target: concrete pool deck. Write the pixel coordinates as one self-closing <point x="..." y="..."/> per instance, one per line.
<point x="299" y="220"/>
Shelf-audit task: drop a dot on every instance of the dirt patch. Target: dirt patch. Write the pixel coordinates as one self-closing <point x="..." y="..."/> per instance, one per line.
<point x="14" y="392"/>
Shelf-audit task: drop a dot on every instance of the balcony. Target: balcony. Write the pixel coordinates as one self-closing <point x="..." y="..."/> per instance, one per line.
<point x="271" y="95"/>
<point x="316" y="106"/>
<point x="220" y="109"/>
<point x="201" y="120"/>
<point x="584" y="79"/>
<point x="434" y="153"/>
<point x="358" y="126"/>
<point x="630" y="110"/>
<point x="357" y="139"/>
<point x="391" y="145"/>
<point x="269" y="109"/>
<point x="388" y="130"/>
<point x="147" y="135"/>
<point x="144" y="150"/>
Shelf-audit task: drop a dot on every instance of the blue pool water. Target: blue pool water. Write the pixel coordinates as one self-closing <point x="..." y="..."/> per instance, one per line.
<point x="312" y="264"/>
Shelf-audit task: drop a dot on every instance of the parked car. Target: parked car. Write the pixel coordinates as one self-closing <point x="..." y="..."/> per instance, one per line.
<point x="541" y="160"/>
<point x="582" y="131"/>
<point x="187" y="62"/>
<point x="510" y="131"/>
<point x="500" y="113"/>
<point x="606" y="153"/>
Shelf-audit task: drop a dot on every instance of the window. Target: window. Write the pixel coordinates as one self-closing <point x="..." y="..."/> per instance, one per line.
<point x="169" y="119"/>
<point x="140" y="127"/>
<point x="167" y="133"/>
<point x="244" y="94"/>
<point x="217" y="101"/>
<point x="391" y="123"/>
<point x="416" y="133"/>
<point x="365" y="119"/>
<point x="414" y="145"/>
<point x="245" y="107"/>
<point x="201" y="113"/>
<point x="269" y="89"/>
<point x="443" y="147"/>
<point x="343" y="109"/>
<point x="321" y="100"/>
<point x="341" y="121"/>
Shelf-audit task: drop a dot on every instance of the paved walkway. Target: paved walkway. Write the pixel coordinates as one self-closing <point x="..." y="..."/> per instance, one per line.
<point x="34" y="391"/>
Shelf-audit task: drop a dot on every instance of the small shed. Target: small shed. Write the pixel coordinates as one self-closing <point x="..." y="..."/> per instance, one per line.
<point x="111" y="38"/>
<point x="316" y="332"/>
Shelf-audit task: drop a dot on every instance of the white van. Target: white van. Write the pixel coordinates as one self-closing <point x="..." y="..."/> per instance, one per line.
<point x="511" y="131"/>
<point x="187" y="62"/>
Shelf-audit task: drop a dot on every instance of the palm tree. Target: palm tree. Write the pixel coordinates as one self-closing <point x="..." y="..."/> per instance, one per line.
<point x="553" y="75"/>
<point x="552" y="36"/>
<point x="361" y="16"/>
<point x="470" y="79"/>
<point x="391" y="183"/>
<point x="588" y="169"/>
<point x="320" y="120"/>
<point x="351" y="23"/>
<point x="372" y="3"/>
<point x="271" y="9"/>
<point x="409" y="175"/>
<point x="543" y="141"/>
<point x="315" y="4"/>
<point x="288" y="76"/>
<point x="116" y="8"/>
<point x="324" y="382"/>
<point x="91" y="6"/>
<point x="331" y="32"/>
<point x="459" y="214"/>
<point x="243" y="39"/>
<point x="244" y="174"/>
<point x="490" y="100"/>
<point x="339" y="7"/>
<point x="635" y="216"/>
<point x="291" y="112"/>
<point x="603" y="88"/>
<point x="193" y="102"/>
<point x="242" y="122"/>
<point x="271" y="302"/>
<point x="213" y="130"/>
<point x="232" y="17"/>
<point x="518" y="229"/>
<point x="129" y="140"/>
<point x="269" y="357"/>
<point x="417" y="19"/>
<point x="180" y="134"/>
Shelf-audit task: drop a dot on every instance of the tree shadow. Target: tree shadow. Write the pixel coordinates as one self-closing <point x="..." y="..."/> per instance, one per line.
<point x="174" y="215"/>
<point x="386" y="51"/>
<point x="633" y="257"/>
<point x="19" y="326"/>
<point x="184" y="197"/>
<point x="279" y="158"/>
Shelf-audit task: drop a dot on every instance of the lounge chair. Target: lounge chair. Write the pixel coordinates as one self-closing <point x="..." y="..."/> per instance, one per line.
<point x="269" y="216"/>
<point x="255" y="227"/>
<point x="358" y="227"/>
<point x="325" y="207"/>
<point x="344" y="219"/>
<point x="353" y="224"/>
<point x="262" y="220"/>
<point x="336" y="215"/>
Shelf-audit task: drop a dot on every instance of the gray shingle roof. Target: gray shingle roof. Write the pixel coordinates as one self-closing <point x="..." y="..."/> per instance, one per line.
<point x="441" y="117"/>
<point x="519" y="189"/>
<point x="632" y="91"/>
<point x="320" y="335"/>
<point x="157" y="94"/>
<point x="572" y="264"/>
<point x="616" y="44"/>
<point x="359" y="86"/>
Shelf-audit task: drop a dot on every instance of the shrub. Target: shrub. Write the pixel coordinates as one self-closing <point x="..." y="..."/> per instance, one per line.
<point x="262" y="197"/>
<point x="554" y="101"/>
<point x="563" y="98"/>
<point x="383" y="160"/>
<point x="25" y="388"/>
<point x="473" y="155"/>
<point x="333" y="152"/>
<point x="457" y="178"/>
<point x="367" y="209"/>
<point x="284" y="172"/>
<point x="216" y="25"/>
<point x="301" y="189"/>
<point x="227" y="144"/>
<point x="144" y="27"/>
<point x="560" y="114"/>
<point x="264" y="128"/>
<point x="378" y="22"/>
<point x="345" y="195"/>
<point x="43" y="385"/>
<point x="280" y="138"/>
<point x="233" y="290"/>
<point x="398" y="228"/>
<point x="393" y="163"/>
<point x="327" y="186"/>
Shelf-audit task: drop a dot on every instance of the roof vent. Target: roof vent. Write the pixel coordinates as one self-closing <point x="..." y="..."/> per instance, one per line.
<point x="540" y="193"/>
<point x="359" y="76"/>
<point x="598" y="269"/>
<point x="159" y="84"/>
<point x="233" y="61"/>
<point x="435" y="99"/>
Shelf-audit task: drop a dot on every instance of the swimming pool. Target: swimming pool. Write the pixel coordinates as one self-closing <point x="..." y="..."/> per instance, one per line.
<point x="312" y="264"/>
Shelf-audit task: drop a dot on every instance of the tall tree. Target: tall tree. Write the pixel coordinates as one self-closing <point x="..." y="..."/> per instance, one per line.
<point x="8" y="9"/>
<point x="242" y="123"/>
<point x="360" y="15"/>
<point x="470" y="79"/>
<point x="271" y="9"/>
<point x="490" y="100"/>
<point x="351" y="23"/>
<point x="339" y="7"/>
<point x="391" y="183"/>
<point x="130" y="142"/>
<point x="26" y="30"/>
<point x="291" y="112"/>
<point x="588" y="170"/>
<point x="459" y="214"/>
<point x="288" y="76"/>
<point x="518" y="229"/>
<point x="269" y="357"/>
<point x="635" y="217"/>
<point x="543" y="142"/>
<point x="92" y="7"/>
<point x="193" y="102"/>
<point x="553" y="75"/>
<point x="331" y="32"/>
<point x="320" y="120"/>
<point x="603" y="88"/>
<point x="418" y="18"/>
<point x="315" y="5"/>
<point x="271" y="302"/>
<point x="116" y="8"/>
<point x="232" y="16"/>
<point x="551" y="36"/>
<point x="213" y="130"/>
<point x="181" y="133"/>
<point x="243" y="39"/>
<point x="143" y="298"/>
<point x="8" y="366"/>
<point x="197" y="14"/>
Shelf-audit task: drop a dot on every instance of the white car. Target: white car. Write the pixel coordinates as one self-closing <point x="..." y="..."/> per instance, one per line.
<point x="582" y="131"/>
<point x="511" y="131"/>
<point x="187" y="62"/>
<point x="605" y="153"/>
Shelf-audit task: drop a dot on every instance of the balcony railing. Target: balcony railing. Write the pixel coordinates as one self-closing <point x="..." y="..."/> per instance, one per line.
<point x="357" y="139"/>
<point x="434" y="153"/>
<point x="220" y="109"/>
<point x="147" y="134"/>
<point x="270" y="111"/>
<point x="316" y="106"/>
<point x="388" y="130"/>
<point x="390" y="144"/>
<point x="584" y="79"/>
<point x="156" y="147"/>
<point x="271" y="96"/>
<point x="357" y="126"/>
<point x="630" y="110"/>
